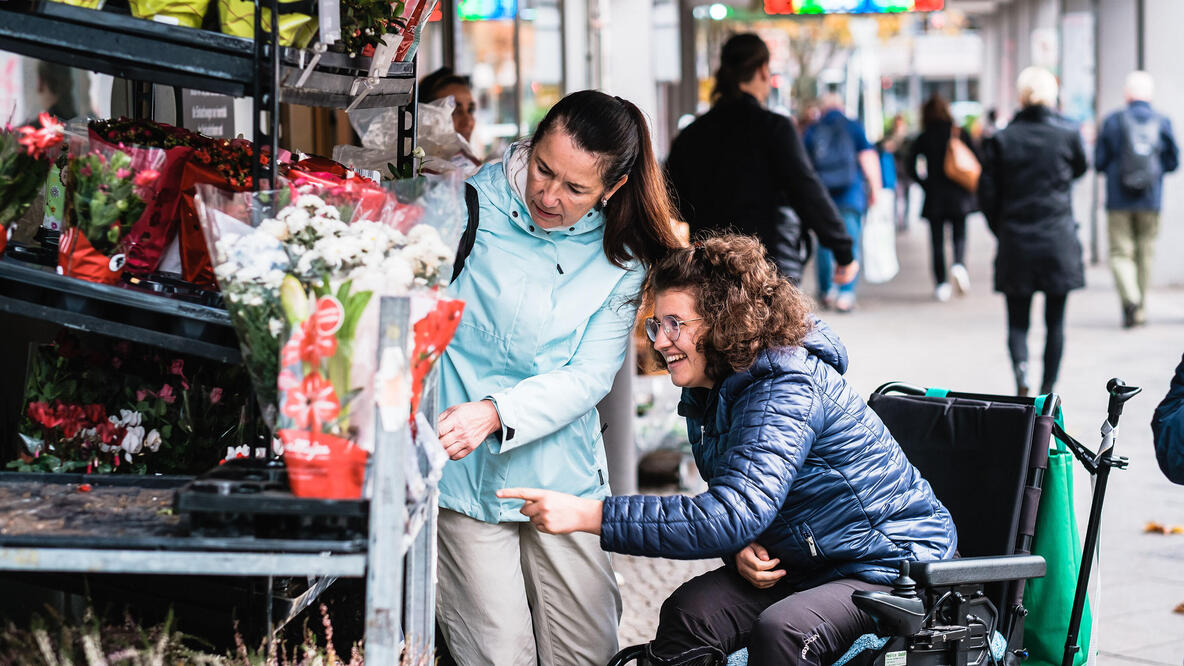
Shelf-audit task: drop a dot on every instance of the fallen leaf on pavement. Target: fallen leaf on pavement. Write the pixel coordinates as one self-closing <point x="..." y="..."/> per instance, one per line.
<point x="1179" y="609"/>
<point x="1155" y="527"/>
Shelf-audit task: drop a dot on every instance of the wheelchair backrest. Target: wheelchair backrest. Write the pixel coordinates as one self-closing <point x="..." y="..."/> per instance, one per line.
<point x="975" y="454"/>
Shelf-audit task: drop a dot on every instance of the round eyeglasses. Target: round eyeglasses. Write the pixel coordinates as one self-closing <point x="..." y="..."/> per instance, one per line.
<point x="671" y="326"/>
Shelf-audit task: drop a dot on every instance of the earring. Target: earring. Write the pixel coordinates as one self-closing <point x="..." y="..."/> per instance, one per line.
<point x="604" y="202"/>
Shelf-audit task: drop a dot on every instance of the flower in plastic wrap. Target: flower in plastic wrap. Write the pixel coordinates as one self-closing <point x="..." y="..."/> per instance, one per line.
<point x="25" y="160"/>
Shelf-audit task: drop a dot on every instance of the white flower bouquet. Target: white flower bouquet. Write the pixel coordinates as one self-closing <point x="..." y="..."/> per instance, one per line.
<point x="302" y="287"/>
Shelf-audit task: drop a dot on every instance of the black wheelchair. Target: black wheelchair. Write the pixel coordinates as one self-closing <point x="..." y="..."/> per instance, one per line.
<point x="969" y="611"/>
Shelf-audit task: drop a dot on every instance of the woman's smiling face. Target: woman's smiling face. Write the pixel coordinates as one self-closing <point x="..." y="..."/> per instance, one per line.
<point x="687" y="365"/>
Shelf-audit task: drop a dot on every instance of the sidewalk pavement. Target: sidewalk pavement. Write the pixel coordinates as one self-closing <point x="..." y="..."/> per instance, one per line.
<point x="899" y="332"/>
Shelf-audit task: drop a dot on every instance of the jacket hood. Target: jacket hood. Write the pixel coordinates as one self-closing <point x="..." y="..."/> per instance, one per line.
<point x="821" y="342"/>
<point x="824" y="343"/>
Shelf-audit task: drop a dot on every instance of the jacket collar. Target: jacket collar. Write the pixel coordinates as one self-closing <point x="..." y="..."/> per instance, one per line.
<point x="1035" y="113"/>
<point x="504" y="187"/>
<point x="743" y="99"/>
<point x="821" y="342"/>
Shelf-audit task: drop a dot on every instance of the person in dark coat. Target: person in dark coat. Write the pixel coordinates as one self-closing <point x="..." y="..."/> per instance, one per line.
<point x="809" y="497"/>
<point x="1025" y="192"/>
<point x="1167" y="428"/>
<point x="946" y="203"/>
<point x="743" y="167"/>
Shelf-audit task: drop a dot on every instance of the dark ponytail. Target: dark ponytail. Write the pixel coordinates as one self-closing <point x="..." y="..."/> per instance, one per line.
<point x="638" y="217"/>
<point x="739" y="60"/>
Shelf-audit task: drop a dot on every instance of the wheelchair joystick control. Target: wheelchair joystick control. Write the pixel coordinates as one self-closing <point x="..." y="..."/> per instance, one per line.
<point x="899" y="613"/>
<point x="903" y="586"/>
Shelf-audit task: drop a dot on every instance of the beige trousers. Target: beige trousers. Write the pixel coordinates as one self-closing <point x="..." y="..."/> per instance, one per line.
<point x="1132" y="249"/>
<point x="509" y="595"/>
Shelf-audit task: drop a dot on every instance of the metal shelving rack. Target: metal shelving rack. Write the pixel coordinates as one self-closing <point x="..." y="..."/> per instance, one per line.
<point x="151" y="52"/>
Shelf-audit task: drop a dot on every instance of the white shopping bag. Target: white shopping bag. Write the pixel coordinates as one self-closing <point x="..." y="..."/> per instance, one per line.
<point x="879" y="240"/>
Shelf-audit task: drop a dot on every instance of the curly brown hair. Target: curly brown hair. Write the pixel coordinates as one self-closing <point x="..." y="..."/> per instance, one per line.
<point x="745" y="303"/>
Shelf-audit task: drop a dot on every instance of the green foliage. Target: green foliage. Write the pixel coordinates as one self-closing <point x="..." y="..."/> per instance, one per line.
<point x="104" y="199"/>
<point x="21" y="177"/>
<point x="364" y="22"/>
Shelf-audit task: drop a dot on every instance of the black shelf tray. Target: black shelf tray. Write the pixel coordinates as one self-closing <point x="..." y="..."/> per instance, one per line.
<point x="127" y="47"/>
<point x="37" y="292"/>
<point x="250" y="498"/>
<point x="178" y="538"/>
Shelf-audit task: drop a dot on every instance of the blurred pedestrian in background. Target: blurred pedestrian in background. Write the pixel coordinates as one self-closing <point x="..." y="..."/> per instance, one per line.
<point x="446" y="83"/>
<point x="1028" y="173"/>
<point x="1135" y="149"/>
<point x="946" y="203"/>
<point x="897" y="142"/>
<point x="742" y="167"/>
<point x="849" y="167"/>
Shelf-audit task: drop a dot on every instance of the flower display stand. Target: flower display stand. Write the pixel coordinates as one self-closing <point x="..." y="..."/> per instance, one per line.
<point x="398" y="615"/>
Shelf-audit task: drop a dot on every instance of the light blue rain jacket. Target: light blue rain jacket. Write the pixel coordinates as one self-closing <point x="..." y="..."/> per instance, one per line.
<point x="546" y="322"/>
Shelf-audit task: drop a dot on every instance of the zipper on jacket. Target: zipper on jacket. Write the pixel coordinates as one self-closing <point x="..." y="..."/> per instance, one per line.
<point x="813" y="548"/>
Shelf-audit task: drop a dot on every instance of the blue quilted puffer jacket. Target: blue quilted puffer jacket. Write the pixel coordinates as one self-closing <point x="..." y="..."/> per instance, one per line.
<point x="795" y="461"/>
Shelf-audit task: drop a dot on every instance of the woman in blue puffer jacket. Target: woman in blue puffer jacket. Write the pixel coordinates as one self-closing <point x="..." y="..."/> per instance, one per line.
<point x="809" y="498"/>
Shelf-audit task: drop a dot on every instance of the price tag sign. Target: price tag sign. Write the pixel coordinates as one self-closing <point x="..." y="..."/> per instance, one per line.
<point x="208" y="113"/>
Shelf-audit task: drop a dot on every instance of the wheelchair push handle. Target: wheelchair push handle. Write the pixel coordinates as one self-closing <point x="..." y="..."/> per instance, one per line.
<point x="1119" y="394"/>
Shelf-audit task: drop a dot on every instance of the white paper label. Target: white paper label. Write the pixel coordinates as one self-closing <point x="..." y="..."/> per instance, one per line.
<point x="384" y="54"/>
<point x="329" y="15"/>
<point x="896" y="659"/>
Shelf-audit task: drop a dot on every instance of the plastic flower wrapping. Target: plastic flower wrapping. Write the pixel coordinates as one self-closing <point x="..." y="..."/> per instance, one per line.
<point x="109" y="188"/>
<point x="302" y="270"/>
<point x="26" y="154"/>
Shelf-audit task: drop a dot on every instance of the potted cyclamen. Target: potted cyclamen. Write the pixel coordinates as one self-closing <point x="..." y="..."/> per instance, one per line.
<point x="26" y="154"/>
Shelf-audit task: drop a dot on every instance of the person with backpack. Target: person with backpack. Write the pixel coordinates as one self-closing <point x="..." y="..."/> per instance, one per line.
<point x="741" y="166"/>
<point x="1025" y="192"/>
<point x="562" y="232"/>
<point x="1135" y="149"/>
<point x="849" y="167"/>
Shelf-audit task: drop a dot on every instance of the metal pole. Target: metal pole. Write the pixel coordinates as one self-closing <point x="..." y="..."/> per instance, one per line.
<point x="616" y="413"/>
<point x="518" y="72"/>
<point x="384" y="553"/>
<point x="1095" y="254"/>
<point x="1119" y="394"/>
<point x="688" y="88"/>
<point x="451" y="25"/>
<point x="1140" y="33"/>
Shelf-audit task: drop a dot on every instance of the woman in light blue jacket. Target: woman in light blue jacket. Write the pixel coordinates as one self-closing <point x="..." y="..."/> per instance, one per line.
<point x="568" y="224"/>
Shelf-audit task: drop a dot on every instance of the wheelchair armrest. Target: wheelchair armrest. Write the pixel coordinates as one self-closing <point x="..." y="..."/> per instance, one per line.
<point x="976" y="570"/>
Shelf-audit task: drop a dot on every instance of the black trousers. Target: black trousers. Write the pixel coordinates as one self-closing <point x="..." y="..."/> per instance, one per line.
<point x="937" y="243"/>
<point x="1019" y="319"/>
<point x="715" y="614"/>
